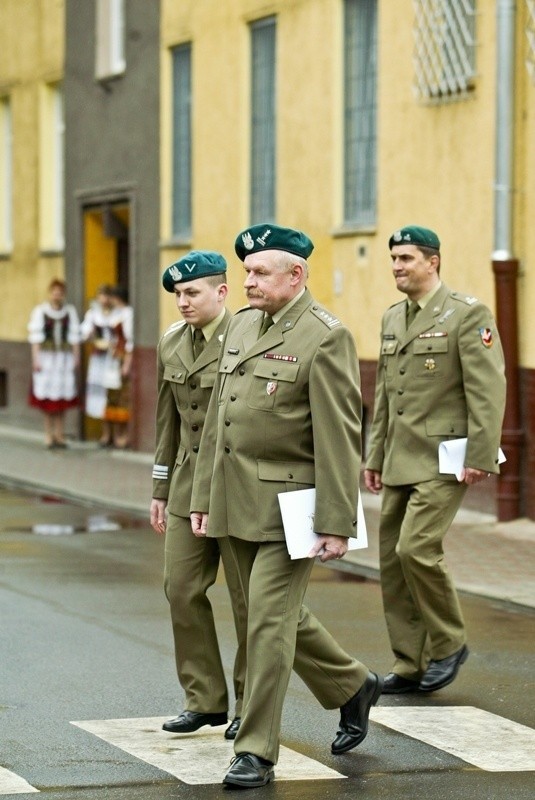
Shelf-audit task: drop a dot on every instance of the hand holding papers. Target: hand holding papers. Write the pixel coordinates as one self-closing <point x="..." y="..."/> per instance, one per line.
<point x="451" y="456"/>
<point x="297" y="509"/>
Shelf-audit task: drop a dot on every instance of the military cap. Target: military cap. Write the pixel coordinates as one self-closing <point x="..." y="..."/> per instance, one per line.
<point x="196" y="264"/>
<point x="272" y="237"/>
<point x="415" y="234"/>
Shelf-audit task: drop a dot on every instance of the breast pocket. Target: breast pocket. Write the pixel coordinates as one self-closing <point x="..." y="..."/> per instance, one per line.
<point x="389" y="348"/>
<point x="430" y="357"/>
<point x="273" y="386"/>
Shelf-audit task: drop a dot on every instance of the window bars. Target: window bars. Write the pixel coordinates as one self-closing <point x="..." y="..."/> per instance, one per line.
<point x="444" y="49"/>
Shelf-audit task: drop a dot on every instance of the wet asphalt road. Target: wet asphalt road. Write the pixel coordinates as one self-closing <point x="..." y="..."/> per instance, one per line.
<point x="85" y="635"/>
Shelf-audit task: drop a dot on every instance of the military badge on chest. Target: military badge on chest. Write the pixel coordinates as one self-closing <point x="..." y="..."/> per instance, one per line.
<point x="271" y="387"/>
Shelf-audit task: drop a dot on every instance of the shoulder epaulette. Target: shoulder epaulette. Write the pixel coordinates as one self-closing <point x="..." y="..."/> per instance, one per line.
<point x="325" y="316"/>
<point x="243" y="308"/>
<point x="174" y="327"/>
<point x="464" y="298"/>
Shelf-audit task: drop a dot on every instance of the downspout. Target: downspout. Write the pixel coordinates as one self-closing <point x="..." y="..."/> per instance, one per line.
<point x="504" y="265"/>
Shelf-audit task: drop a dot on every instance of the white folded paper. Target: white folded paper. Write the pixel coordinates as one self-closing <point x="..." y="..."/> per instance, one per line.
<point x="452" y="454"/>
<point x="297" y="509"/>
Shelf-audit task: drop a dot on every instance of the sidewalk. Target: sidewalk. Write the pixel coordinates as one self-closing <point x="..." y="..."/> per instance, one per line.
<point x="486" y="558"/>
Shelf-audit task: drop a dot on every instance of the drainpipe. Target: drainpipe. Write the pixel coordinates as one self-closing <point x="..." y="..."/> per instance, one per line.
<point x="504" y="265"/>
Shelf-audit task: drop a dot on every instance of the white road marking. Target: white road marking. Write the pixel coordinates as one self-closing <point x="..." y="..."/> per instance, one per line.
<point x="14" y="784"/>
<point x="202" y="757"/>
<point x="485" y="740"/>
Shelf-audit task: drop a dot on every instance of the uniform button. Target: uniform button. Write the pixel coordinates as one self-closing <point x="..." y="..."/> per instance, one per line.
<point x="241" y="372"/>
<point x="403" y="351"/>
<point x="400" y="391"/>
<point x="227" y="449"/>
<point x="452" y="429"/>
<point x="354" y="522"/>
<point x="290" y="475"/>
<point x="232" y="397"/>
<point x="227" y="422"/>
<point x="193" y="386"/>
<point x="400" y="412"/>
<point x="402" y="372"/>
<point x="194" y="427"/>
<point x="429" y="347"/>
<point x="194" y="406"/>
<point x="195" y="448"/>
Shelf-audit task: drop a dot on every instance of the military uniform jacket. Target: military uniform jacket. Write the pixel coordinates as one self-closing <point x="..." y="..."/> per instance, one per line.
<point x="285" y="415"/>
<point x="443" y="379"/>
<point x="184" y="389"/>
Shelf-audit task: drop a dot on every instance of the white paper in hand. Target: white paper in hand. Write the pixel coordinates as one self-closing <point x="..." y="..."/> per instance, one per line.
<point x="452" y="454"/>
<point x="297" y="510"/>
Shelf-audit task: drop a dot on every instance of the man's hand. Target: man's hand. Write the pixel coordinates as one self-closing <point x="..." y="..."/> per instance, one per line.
<point x="331" y="547"/>
<point x="372" y="479"/>
<point x="199" y="523"/>
<point x="471" y="476"/>
<point x="157" y="515"/>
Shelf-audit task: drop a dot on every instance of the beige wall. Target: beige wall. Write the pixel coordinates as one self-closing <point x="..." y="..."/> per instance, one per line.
<point x="435" y="162"/>
<point x="31" y="55"/>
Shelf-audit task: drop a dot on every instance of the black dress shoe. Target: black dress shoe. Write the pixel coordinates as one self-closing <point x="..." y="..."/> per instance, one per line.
<point x="190" y="721"/>
<point x="441" y="673"/>
<point x="233" y="728"/>
<point x="354" y="715"/>
<point x="248" y="771"/>
<point x="396" y="684"/>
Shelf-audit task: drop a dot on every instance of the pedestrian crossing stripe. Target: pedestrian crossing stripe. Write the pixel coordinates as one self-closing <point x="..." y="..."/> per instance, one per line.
<point x="487" y="741"/>
<point x="14" y="784"/>
<point x="202" y="757"/>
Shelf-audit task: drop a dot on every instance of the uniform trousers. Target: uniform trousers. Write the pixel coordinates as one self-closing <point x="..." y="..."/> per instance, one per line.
<point x="422" y="609"/>
<point x="191" y="566"/>
<point x="281" y="634"/>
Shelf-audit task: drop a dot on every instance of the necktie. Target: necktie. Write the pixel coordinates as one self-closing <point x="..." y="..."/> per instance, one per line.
<point x="266" y="324"/>
<point x="412" y="310"/>
<point x="198" y="342"/>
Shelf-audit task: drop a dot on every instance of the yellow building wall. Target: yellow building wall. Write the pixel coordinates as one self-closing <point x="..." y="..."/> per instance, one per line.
<point x="31" y="54"/>
<point x="435" y="162"/>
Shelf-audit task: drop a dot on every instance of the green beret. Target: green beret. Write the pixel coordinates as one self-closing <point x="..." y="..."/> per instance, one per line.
<point x="197" y="264"/>
<point x="272" y="237"/>
<point x="414" y="234"/>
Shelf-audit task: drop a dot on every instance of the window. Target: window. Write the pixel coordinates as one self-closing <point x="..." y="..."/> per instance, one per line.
<point x="181" y="211"/>
<point x="6" y="177"/>
<point x="263" y="144"/>
<point x="110" y="35"/>
<point x="445" y="50"/>
<point x="51" y="169"/>
<point x="360" y="112"/>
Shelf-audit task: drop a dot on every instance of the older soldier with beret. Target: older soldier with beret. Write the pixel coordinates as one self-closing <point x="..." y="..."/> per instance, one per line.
<point x="187" y="367"/>
<point x="285" y="415"/>
<point x="440" y="377"/>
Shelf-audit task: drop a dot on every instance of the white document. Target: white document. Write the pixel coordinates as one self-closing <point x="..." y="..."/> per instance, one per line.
<point x="297" y="509"/>
<point x="452" y="454"/>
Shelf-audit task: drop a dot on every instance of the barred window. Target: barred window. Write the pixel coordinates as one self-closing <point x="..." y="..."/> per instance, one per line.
<point x="445" y="49"/>
<point x="530" y="33"/>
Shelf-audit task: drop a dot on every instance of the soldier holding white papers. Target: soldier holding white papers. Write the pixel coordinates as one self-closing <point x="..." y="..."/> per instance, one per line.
<point x="285" y="415"/>
<point x="440" y="376"/>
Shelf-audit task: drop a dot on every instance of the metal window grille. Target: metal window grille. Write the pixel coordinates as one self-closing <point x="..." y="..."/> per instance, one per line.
<point x="530" y="33"/>
<point x="181" y="210"/>
<point x="360" y="111"/>
<point x="263" y="118"/>
<point x="445" y="49"/>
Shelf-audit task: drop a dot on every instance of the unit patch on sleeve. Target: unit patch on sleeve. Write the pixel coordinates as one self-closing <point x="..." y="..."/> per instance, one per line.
<point x="486" y="337"/>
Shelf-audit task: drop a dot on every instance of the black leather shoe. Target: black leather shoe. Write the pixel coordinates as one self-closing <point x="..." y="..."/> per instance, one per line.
<point x="354" y="715"/>
<point x="441" y="673"/>
<point x="396" y="684"/>
<point x="233" y="728"/>
<point x="248" y="771"/>
<point x="190" y="721"/>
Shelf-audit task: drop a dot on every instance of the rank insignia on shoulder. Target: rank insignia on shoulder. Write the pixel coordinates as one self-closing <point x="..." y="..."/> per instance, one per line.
<point x="280" y="357"/>
<point x="325" y="317"/>
<point x="486" y="337"/>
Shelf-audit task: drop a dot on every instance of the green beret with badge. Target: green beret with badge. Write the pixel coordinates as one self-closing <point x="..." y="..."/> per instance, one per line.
<point x="267" y="236"/>
<point x="415" y="234"/>
<point x="196" y="264"/>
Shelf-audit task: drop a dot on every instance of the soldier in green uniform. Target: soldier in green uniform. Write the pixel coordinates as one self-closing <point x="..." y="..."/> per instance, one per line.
<point x="440" y="376"/>
<point x="187" y="367"/>
<point x="285" y="415"/>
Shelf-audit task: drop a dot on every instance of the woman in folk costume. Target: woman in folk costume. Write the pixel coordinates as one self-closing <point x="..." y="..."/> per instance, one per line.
<point x="117" y="412"/>
<point x="54" y="335"/>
